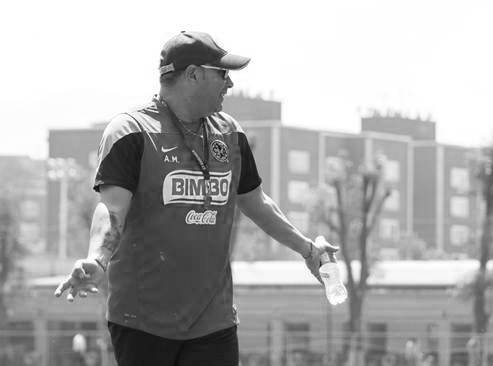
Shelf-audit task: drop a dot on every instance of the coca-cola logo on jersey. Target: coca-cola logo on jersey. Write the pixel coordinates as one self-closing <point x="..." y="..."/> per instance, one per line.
<point x="207" y="217"/>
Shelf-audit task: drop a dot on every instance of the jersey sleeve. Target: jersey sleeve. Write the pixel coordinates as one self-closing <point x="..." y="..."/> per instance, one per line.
<point x="119" y="154"/>
<point x="249" y="177"/>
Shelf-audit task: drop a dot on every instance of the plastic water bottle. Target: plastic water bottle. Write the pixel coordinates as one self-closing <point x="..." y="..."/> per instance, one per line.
<point x="329" y="271"/>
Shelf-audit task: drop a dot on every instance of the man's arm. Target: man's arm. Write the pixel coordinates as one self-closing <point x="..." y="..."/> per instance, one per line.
<point x="106" y="229"/>
<point x="107" y="223"/>
<point x="264" y="212"/>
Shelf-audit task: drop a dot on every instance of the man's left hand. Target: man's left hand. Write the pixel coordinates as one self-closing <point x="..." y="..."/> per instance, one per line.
<point x="313" y="260"/>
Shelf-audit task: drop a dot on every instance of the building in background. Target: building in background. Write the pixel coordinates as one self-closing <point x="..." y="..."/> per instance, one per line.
<point x="248" y="108"/>
<point x="292" y="162"/>
<point x="432" y="198"/>
<point x="446" y="205"/>
<point x="448" y="214"/>
<point x="397" y="124"/>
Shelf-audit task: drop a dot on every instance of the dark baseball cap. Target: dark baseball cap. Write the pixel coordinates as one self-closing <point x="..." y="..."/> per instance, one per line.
<point x="197" y="48"/>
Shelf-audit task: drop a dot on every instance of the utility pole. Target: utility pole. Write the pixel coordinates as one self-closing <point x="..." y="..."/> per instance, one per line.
<point x="62" y="170"/>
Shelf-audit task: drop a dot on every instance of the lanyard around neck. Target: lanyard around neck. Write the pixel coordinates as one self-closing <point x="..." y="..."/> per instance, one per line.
<point x="202" y="163"/>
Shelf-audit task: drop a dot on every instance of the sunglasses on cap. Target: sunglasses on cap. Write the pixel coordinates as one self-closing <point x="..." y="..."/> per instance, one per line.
<point x="224" y="73"/>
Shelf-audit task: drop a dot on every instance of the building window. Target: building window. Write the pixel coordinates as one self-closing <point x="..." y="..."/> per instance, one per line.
<point x="299" y="161"/>
<point x="392" y="203"/>
<point x="459" y="235"/>
<point x="459" y="179"/>
<point x="389" y="229"/>
<point x="298" y="191"/>
<point x="299" y="219"/>
<point x="392" y="171"/>
<point x="459" y="206"/>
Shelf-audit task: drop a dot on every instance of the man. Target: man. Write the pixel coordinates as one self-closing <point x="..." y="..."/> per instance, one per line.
<point x="170" y="175"/>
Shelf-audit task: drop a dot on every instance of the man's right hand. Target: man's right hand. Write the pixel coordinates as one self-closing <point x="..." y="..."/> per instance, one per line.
<point x="86" y="276"/>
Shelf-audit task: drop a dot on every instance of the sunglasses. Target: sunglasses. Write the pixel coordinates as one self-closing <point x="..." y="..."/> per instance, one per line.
<point x="224" y="72"/>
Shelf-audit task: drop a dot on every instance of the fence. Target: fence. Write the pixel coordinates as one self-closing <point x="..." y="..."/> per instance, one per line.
<point x="81" y="347"/>
<point x="83" y="344"/>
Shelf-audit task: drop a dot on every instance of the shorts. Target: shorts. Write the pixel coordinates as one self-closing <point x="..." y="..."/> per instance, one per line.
<point x="135" y="348"/>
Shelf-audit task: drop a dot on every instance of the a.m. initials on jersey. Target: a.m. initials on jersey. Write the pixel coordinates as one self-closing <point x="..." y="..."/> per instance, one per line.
<point x="188" y="186"/>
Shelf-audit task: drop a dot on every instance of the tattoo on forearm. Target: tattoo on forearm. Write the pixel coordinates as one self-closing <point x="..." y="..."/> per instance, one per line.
<point x="112" y="236"/>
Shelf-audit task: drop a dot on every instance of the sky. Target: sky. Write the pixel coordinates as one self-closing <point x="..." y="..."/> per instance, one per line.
<point x="67" y="64"/>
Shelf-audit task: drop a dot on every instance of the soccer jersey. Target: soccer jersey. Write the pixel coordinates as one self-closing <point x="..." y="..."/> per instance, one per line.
<point x="171" y="275"/>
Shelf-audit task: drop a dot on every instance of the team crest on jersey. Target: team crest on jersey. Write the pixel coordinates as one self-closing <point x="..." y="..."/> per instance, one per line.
<point x="188" y="186"/>
<point x="219" y="150"/>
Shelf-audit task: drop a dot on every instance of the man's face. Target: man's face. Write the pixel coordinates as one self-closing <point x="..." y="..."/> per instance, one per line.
<point x="214" y="86"/>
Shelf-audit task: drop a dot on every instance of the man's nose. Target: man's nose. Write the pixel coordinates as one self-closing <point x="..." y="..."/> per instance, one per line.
<point x="229" y="82"/>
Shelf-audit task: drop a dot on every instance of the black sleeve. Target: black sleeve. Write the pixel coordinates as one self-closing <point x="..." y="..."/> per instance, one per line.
<point x="249" y="177"/>
<point x="119" y="160"/>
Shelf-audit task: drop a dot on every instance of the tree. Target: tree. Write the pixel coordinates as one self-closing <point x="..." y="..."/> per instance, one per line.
<point x="17" y="176"/>
<point x="10" y="250"/>
<point x="349" y="203"/>
<point x="476" y="286"/>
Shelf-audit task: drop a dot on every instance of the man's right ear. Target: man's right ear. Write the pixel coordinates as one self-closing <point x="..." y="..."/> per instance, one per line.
<point x="192" y="73"/>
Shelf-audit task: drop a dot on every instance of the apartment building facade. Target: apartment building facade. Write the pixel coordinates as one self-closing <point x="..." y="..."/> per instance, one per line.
<point x="293" y="162"/>
<point x="448" y="208"/>
<point x="445" y="200"/>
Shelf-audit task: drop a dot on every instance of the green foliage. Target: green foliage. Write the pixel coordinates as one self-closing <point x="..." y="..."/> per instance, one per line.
<point x="10" y="249"/>
<point x="474" y="286"/>
<point x="349" y="204"/>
